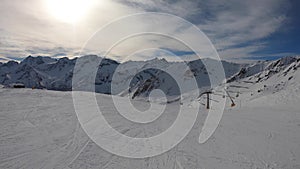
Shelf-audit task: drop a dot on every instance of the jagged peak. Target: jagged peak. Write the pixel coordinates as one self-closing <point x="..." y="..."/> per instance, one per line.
<point x="38" y="60"/>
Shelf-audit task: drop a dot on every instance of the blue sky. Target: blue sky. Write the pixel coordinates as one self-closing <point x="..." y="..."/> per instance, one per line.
<point x="288" y="40"/>
<point x="239" y="30"/>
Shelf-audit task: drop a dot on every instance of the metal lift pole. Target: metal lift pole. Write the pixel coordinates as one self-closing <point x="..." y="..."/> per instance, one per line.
<point x="207" y="96"/>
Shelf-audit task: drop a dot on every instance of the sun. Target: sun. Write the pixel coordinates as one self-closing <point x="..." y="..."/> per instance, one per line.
<point x="70" y="11"/>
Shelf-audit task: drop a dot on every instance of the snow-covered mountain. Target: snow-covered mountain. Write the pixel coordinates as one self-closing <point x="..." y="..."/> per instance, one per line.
<point x="158" y="76"/>
<point x="49" y="73"/>
<point x="266" y="69"/>
<point x="40" y="129"/>
<point x="56" y="74"/>
<point x="276" y="77"/>
<point x="136" y="78"/>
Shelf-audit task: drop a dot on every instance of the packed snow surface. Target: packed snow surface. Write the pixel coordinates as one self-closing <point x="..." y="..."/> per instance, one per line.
<point x="39" y="129"/>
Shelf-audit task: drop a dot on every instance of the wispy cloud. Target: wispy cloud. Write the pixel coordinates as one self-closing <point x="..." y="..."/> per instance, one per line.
<point x="238" y="29"/>
<point x="181" y="8"/>
<point x="245" y="23"/>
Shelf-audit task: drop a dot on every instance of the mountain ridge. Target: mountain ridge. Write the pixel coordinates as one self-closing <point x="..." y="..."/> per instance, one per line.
<point x="128" y="77"/>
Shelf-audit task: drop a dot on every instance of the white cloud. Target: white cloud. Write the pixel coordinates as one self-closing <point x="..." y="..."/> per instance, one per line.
<point x="245" y="23"/>
<point x="228" y="23"/>
<point x="237" y="28"/>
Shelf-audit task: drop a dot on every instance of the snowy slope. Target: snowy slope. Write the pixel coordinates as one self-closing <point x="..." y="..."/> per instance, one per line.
<point x="264" y="69"/>
<point x="278" y="76"/>
<point x="39" y="129"/>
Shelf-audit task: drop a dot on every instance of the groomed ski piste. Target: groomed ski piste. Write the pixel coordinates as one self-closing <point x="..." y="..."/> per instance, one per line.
<point x="40" y="130"/>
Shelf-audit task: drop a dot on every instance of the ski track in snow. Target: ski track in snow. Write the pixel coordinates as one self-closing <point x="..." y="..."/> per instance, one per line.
<point x="39" y="130"/>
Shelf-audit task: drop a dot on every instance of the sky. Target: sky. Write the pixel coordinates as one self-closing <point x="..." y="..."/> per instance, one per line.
<point x="239" y="30"/>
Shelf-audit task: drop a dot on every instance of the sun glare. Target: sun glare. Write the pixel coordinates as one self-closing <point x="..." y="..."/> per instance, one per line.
<point x="70" y="11"/>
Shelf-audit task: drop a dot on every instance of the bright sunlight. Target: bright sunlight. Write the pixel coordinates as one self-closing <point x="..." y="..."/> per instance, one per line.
<point x="70" y="11"/>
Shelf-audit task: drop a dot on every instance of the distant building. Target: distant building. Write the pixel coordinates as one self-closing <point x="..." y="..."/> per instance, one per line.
<point x="17" y="85"/>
